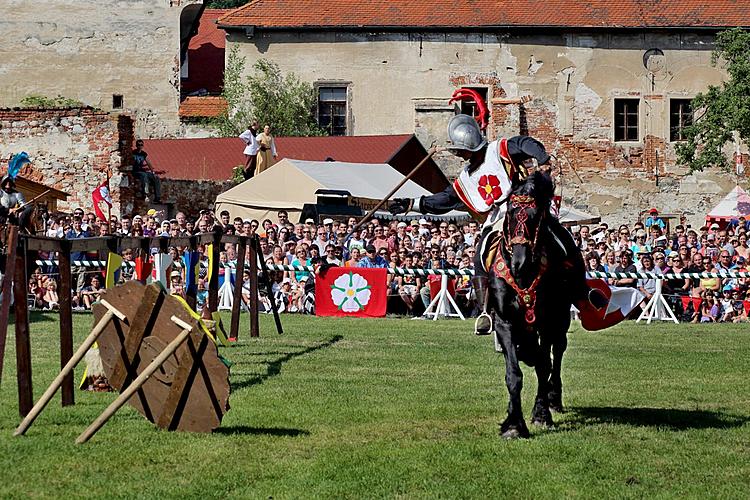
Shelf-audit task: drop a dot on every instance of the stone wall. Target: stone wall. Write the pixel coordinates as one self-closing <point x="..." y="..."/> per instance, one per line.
<point x="92" y="50"/>
<point x="193" y="196"/>
<point x="71" y="149"/>
<point x="401" y="83"/>
<point x="74" y="149"/>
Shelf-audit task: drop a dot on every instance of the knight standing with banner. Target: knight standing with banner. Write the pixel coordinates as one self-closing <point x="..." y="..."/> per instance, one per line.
<point x="483" y="187"/>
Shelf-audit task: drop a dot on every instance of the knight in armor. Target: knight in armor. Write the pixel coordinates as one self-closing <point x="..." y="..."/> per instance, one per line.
<point x="13" y="207"/>
<point x="485" y="183"/>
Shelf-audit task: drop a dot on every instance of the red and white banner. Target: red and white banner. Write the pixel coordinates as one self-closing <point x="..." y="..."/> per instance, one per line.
<point x="622" y="300"/>
<point x="101" y="197"/>
<point x="347" y="291"/>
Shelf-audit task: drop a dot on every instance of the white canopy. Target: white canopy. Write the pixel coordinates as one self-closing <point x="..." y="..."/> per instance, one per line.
<point x="734" y="205"/>
<point x="290" y="184"/>
<point x="572" y="216"/>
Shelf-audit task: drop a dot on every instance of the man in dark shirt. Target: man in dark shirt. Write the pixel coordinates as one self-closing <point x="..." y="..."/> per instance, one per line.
<point x="626" y="266"/>
<point x="144" y="171"/>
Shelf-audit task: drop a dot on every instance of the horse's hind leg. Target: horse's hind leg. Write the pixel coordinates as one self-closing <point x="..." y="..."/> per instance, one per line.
<point x="555" y="388"/>
<point x="541" y="414"/>
<point x="513" y="426"/>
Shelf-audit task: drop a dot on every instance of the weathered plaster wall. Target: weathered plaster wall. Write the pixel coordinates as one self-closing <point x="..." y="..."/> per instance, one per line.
<point x="401" y="82"/>
<point x="91" y="50"/>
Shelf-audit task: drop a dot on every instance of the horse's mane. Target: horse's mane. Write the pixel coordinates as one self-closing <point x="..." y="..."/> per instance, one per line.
<point x="539" y="186"/>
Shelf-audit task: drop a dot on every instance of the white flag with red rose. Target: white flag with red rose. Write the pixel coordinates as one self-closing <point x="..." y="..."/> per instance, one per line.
<point x="101" y="197"/>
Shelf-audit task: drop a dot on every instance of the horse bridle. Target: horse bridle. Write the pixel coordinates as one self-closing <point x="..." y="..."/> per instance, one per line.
<point x="526" y="296"/>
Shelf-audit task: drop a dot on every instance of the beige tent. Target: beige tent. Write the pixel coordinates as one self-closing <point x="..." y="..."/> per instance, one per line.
<point x="290" y="184"/>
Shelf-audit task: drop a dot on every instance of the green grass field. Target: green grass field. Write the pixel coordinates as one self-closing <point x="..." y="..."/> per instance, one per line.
<point x="395" y="408"/>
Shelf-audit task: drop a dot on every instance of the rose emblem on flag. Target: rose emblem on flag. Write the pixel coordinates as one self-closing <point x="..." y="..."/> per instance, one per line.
<point x="350" y="292"/>
<point x="489" y="189"/>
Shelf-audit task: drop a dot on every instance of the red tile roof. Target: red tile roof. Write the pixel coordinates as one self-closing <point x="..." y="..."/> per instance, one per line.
<point x="489" y="13"/>
<point x="202" y="107"/>
<point x="214" y="158"/>
<point x="206" y="55"/>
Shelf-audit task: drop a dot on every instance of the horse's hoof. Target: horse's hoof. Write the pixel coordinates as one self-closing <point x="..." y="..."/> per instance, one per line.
<point x="515" y="432"/>
<point x="512" y="434"/>
<point x="557" y="408"/>
<point x="543" y="424"/>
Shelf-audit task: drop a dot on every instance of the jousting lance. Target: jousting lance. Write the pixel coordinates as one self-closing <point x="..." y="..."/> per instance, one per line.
<point x="382" y="202"/>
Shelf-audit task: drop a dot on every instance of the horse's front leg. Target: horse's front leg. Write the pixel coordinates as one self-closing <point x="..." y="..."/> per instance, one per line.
<point x="514" y="426"/>
<point x="555" y="390"/>
<point x="541" y="414"/>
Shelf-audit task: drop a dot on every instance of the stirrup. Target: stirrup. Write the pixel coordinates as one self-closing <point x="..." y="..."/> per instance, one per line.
<point x="490" y="331"/>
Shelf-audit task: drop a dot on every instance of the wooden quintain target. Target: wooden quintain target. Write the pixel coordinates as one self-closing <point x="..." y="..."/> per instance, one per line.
<point x="190" y="391"/>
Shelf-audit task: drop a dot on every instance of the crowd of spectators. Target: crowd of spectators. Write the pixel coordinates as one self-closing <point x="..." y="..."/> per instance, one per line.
<point x="648" y="245"/>
<point x="653" y="246"/>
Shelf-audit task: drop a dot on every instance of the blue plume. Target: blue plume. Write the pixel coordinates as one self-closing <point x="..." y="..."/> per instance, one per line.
<point x="16" y="163"/>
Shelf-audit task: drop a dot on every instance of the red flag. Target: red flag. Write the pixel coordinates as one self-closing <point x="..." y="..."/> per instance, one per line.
<point x="101" y="195"/>
<point x="143" y="268"/>
<point x="346" y="291"/>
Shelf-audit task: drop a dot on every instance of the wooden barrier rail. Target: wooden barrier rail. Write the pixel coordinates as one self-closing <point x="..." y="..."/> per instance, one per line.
<point x="22" y="254"/>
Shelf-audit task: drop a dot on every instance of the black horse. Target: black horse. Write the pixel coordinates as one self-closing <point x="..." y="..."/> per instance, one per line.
<point x="529" y="300"/>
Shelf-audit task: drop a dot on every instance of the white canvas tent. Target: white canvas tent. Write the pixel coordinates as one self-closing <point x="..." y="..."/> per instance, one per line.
<point x="736" y="204"/>
<point x="571" y="216"/>
<point x="290" y="184"/>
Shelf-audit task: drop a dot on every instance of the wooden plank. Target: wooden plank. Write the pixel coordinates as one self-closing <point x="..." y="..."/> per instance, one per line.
<point x="253" y="256"/>
<point x="186" y="372"/>
<point x="23" y="342"/>
<point x="90" y="244"/>
<point x="231" y="238"/>
<point x="234" y="329"/>
<point x="10" y="265"/>
<point x="43" y="245"/>
<point x="66" y="322"/>
<point x="140" y="326"/>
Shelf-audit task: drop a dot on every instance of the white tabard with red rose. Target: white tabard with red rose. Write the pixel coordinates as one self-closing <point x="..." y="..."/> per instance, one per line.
<point x="482" y="188"/>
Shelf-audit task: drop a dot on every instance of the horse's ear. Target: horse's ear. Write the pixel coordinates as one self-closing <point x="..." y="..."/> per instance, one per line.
<point x="544" y="186"/>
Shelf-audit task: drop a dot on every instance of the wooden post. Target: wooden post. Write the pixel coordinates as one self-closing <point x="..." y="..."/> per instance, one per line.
<point x="253" y="264"/>
<point x="69" y="366"/>
<point x="234" y="331"/>
<point x="10" y="264"/>
<point x="213" y="284"/>
<point x="138" y="382"/>
<point x="66" y="321"/>
<point x="23" y="343"/>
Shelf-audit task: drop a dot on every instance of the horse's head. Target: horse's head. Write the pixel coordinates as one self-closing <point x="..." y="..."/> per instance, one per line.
<point x="529" y="203"/>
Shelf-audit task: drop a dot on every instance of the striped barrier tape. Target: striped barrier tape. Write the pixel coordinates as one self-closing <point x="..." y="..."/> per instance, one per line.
<point x="402" y="271"/>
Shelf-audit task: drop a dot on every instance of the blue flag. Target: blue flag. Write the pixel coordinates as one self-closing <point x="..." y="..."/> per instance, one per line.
<point x="16" y="163"/>
<point x="191" y="261"/>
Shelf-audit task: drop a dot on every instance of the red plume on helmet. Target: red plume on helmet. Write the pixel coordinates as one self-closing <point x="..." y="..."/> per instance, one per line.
<point x="465" y="94"/>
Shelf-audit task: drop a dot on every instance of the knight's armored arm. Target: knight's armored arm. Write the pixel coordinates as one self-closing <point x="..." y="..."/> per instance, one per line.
<point x="438" y="203"/>
<point x="523" y="147"/>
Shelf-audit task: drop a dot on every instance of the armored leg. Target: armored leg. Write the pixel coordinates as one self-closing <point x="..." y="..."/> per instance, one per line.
<point x="480" y="282"/>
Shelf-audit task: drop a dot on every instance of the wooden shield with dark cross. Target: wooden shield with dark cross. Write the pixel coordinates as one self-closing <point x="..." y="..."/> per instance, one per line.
<point x="190" y="392"/>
